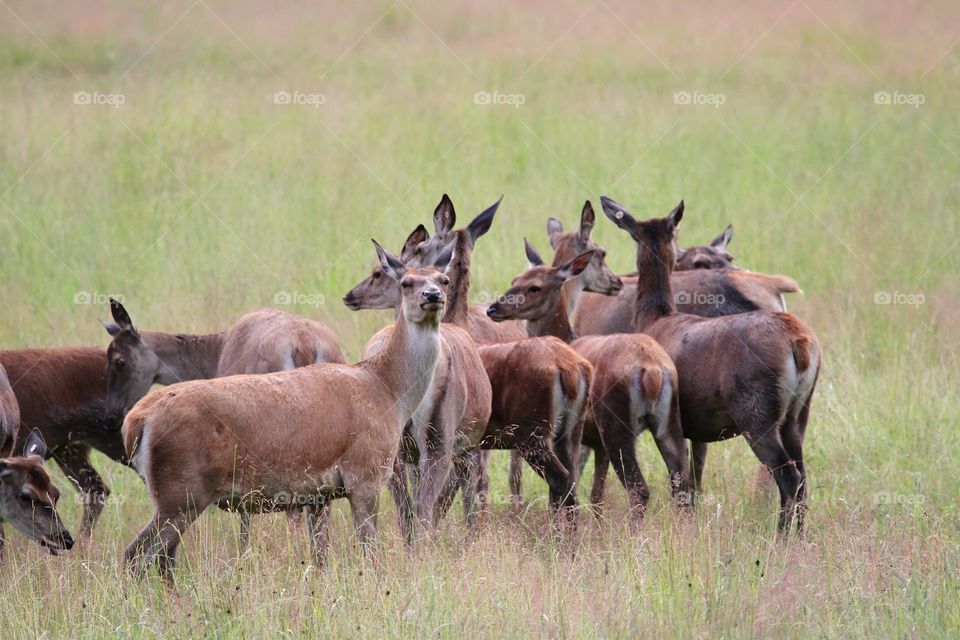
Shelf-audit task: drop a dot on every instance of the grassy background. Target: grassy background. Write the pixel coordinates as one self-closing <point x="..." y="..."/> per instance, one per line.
<point x="199" y="199"/>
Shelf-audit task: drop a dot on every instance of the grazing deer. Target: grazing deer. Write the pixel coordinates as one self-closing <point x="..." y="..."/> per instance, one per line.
<point x="447" y="427"/>
<point x="28" y="498"/>
<point x="280" y="440"/>
<point x="62" y="392"/>
<point x="9" y="415"/>
<point x="709" y="256"/>
<point x="752" y="374"/>
<point x="421" y="250"/>
<point x="634" y="383"/>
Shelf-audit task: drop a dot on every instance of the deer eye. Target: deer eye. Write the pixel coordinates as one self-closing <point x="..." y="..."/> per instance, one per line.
<point x="406" y="284"/>
<point x="444" y="280"/>
<point x="534" y="289"/>
<point x="699" y="265"/>
<point x="25" y="498"/>
<point x="119" y="364"/>
<point x="376" y="274"/>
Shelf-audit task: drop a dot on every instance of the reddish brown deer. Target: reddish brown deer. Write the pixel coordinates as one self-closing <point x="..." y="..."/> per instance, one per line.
<point x="298" y="437"/>
<point x="752" y="374"/>
<point x="62" y="392"/>
<point x="28" y="498"/>
<point x="9" y="415"/>
<point x="634" y="384"/>
<point x="447" y="427"/>
<point x="419" y="250"/>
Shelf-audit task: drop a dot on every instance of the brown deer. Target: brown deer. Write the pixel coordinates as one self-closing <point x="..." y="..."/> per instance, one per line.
<point x="62" y="392"/>
<point x="276" y="441"/>
<point x="634" y="383"/>
<point x="447" y="427"/>
<point x="263" y="341"/>
<point x="708" y="256"/>
<point x="752" y="374"/>
<point x="9" y="415"/>
<point x="28" y="498"/>
<point x="419" y="250"/>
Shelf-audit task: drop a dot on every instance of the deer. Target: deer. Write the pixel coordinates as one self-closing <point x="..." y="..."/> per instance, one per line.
<point x="62" y="392"/>
<point x="420" y="249"/>
<point x="276" y="441"/>
<point x="751" y="374"/>
<point x="447" y="427"/>
<point x="708" y="256"/>
<point x="262" y="341"/>
<point x="634" y="385"/>
<point x="28" y="498"/>
<point x="9" y="415"/>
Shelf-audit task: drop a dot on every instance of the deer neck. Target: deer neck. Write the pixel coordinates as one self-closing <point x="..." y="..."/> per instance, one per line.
<point x="184" y="357"/>
<point x="459" y="273"/>
<point x="556" y="322"/>
<point x="407" y="362"/>
<point x="654" y="289"/>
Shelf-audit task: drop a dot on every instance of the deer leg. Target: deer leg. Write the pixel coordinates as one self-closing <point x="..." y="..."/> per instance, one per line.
<point x="698" y="459"/>
<point x="244" y="532"/>
<point x="401" y="497"/>
<point x="792" y="435"/>
<point x="472" y="461"/>
<point x="318" y="519"/>
<point x="74" y="460"/>
<point x="673" y="449"/>
<point x="601" y="463"/>
<point x="3" y="543"/>
<point x="435" y="461"/>
<point x="515" y="480"/>
<point x="454" y="481"/>
<point x="363" y="503"/>
<point x="621" y="449"/>
<point x="771" y="452"/>
<point x="545" y="462"/>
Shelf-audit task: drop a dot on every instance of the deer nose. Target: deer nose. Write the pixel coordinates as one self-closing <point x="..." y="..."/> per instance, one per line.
<point x="67" y="540"/>
<point x="433" y="295"/>
<point x="493" y="308"/>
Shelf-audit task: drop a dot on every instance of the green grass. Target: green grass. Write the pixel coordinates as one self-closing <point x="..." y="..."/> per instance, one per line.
<point x="199" y="199"/>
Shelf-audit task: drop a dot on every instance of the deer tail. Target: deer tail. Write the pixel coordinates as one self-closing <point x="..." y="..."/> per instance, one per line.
<point x="650" y="381"/>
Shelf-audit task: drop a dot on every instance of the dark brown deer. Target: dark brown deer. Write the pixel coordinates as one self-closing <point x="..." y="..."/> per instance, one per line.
<point x="420" y="250"/>
<point x="752" y="374"/>
<point x="275" y="441"/>
<point x="28" y="498"/>
<point x="446" y="429"/>
<point x="634" y="383"/>
<point x="62" y="392"/>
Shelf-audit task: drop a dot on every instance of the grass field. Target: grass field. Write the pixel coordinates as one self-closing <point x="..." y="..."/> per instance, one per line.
<point x="827" y="135"/>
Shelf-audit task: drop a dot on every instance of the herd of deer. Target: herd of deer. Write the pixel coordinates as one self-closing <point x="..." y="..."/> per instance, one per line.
<point x="267" y="416"/>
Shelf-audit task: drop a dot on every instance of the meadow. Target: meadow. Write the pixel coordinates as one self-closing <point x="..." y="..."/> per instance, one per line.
<point x="202" y="159"/>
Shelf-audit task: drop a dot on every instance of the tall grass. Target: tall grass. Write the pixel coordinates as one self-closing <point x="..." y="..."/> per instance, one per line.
<point x="199" y="199"/>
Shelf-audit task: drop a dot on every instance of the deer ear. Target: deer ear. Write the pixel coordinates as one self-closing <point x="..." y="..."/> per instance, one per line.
<point x="35" y="445"/>
<point x="615" y="211"/>
<point x="120" y="315"/>
<point x="444" y="217"/>
<point x="444" y="260"/>
<point x="576" y="266"/>
<point x="533" y="258"/>
<point x="587" y="218"/>
<point x="392" y="266"/>
<point x="481" y="224"/>
<point x="722" y="240"/>
<point x="554" y="231"/>
<point x="418" y="236"/>
<point x="676" y="215"/>
<point x="111" y="328"/>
